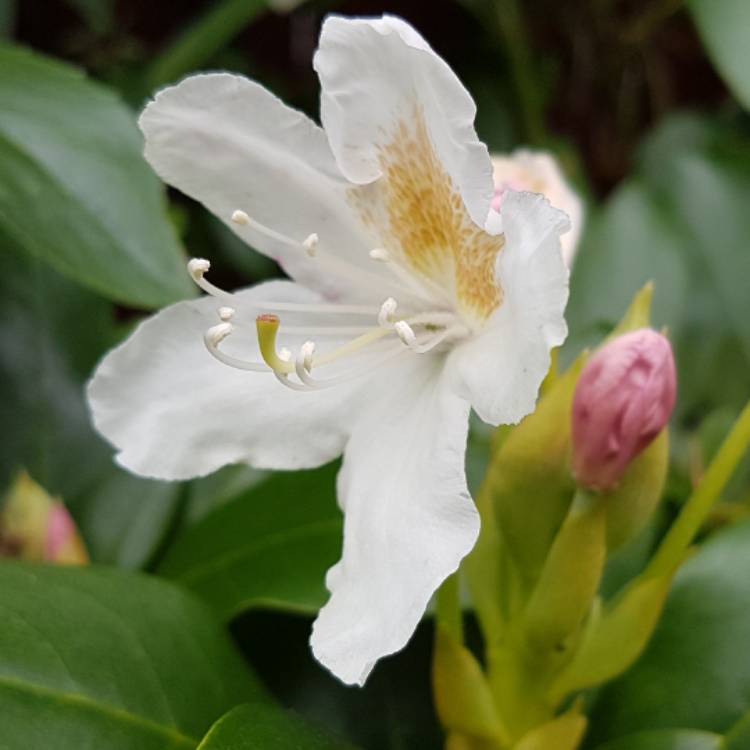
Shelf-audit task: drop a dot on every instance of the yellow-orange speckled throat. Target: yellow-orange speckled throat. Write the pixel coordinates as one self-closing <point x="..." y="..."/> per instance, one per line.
<point x="422" y="221"/>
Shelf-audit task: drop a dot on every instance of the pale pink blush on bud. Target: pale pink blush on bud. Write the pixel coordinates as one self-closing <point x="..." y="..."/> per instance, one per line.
<point x="623" y="400"/>
<point x="62" y="543"/>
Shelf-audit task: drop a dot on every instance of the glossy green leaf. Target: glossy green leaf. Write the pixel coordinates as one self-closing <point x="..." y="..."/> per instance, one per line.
<point x="614" y="638"/>
<point x="75" y="190"/>
<point x="738" y="737"/>
<point x="393" y="711"/>
<point x="258" y="726"/>
<point x="269" y="547"/>
<point x="695" y="673"/>
<point x="666" y="739"/>
<point x="724" y="26"/>
<point x="680" y="220"/>
<point x="52" y="334"/>
<point x="102" y="658"/>
<point x="634" y="240"/>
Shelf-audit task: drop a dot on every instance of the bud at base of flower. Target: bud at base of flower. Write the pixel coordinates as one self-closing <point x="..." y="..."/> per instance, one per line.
<point x="38" y="528"/>
<point x="624" y="399"/>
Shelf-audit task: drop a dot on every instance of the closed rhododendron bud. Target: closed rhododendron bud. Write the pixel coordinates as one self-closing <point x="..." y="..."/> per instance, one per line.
<point x="624" y="398"/>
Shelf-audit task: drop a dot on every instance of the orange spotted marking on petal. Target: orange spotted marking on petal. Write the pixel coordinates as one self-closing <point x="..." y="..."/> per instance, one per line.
<point x="422" y="221"/>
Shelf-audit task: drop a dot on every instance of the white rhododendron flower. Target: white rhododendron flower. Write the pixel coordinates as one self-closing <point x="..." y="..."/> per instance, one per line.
<point x="539" y="172"/>
<point x="412" y="301"/>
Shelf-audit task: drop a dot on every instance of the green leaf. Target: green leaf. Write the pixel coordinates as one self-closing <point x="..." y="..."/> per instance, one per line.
<point x="632" y="240"/>
<point x="700" y="642"/>
<point x="75" y="189"/>
<point x="52" y="334"/>
<point x="668" y="739"/>
<point x="614" y="638"/>
<point x="269" y="547"/>
<point x="724" y="26"/>
<point x="738" y="737"/>
<point x="680" y="220"/>
<point x="258" y="726"/>
<point x="102" y="658"/>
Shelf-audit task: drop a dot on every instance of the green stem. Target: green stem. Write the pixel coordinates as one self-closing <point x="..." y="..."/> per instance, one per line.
<point x="448" y="610"/>
<point x="196" y="45"/>
<point x="697" y="508"/>
<point x="512" y="27"/>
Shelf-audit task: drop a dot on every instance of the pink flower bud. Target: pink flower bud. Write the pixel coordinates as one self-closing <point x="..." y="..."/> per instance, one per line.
<point x="623" y="400"/>
<point x="63" y="545"/>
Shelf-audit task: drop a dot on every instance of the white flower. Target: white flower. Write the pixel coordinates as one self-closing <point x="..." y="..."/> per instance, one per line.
<point x="409" y="306"/>
<point x="539" y="172"/>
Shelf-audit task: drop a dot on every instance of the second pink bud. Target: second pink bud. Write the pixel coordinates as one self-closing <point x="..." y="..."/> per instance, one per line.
<point x="623" y="400"/>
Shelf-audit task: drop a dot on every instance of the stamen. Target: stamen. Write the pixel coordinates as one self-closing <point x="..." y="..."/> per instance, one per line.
<point x="241" y="218"/>
<point x="309" y="245"/>
<point x="315" y="384"/>
<point x="303" y="363"/>
<point x="438" y="339"/>
<point x="306" y="350"/>
<point x="380" y="255"/>
<point x="226" y="313"/>
<point x="387" y="310"/>
<point x="197" y="268"/>
<point x="405" y="332"/>
<point x="214" y="336"/>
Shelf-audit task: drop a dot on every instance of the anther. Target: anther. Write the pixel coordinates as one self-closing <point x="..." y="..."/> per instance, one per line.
<point x="311" y="244"/>
<point x="197" y="267"/>
<point x="380" y="254"/>
<point x="216" y="334"/>
<point x="226" y="313"/>
<point x="306" y="351"/>
<point x="405" y="332"/>
<point x="303" y="364"/>
<point x="387" y="310"/>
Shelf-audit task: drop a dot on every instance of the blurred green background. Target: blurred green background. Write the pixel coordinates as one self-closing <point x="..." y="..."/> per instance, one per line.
<point x="644" y="103"/>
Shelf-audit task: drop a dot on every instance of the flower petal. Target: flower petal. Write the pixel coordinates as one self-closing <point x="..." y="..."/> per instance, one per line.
<point x="539" y="172"/>
<point x="377" y="75"/>
<point x="500" y="371"/>
<point x="231" y="144"/>
<point x="174" y="412"/>
<point x="409" y="519"/>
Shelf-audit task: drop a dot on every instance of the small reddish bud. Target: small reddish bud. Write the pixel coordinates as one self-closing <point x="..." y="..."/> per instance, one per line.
<point x="623" y="400"/>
